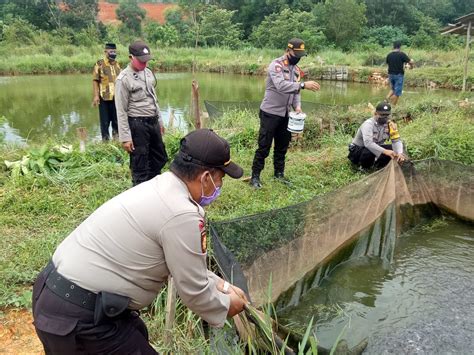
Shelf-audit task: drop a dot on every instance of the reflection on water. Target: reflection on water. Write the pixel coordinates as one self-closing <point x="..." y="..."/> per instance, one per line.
<point x="422" y="303"/>
<point x="39" y="107"/>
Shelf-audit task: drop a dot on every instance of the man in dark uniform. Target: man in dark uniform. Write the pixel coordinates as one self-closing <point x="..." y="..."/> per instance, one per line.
<point x="115" y="262"/>
<point x="370" y="147"/>
<point x="103" y="82"/>
<point x="139" y="118"/>
<point x="282" y="93"/>
<point x="396" y="61"/>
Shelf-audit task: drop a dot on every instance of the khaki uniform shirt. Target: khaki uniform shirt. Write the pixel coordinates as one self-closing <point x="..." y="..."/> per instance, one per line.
<point x="372" y="134"/>
<point x="135" y="96"/>
<point x="282" y="90"/>
<point x="130" y="245"/>
<point x="105" y="73"/>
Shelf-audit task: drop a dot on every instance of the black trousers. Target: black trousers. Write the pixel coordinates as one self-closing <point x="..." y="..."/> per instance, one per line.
<point x="66" y="328"/>
<point x="272" y="128"/>
<point x="149" y="156"/>
<point x="366" y="159"/>
<point x="108" y="116"/>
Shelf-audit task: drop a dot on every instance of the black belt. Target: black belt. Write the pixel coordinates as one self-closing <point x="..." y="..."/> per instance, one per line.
<point x="150" y="119"/>
<point x="68" y="290"/>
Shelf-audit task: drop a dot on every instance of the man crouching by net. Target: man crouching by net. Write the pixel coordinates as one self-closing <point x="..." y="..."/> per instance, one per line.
<point x="368" y="149"/>
<point x="87" y="300"/>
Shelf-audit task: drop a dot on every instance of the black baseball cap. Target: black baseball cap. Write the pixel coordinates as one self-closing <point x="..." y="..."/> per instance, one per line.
<point x="383" y="108"/>
<point x="204" y="147"/>
<point x="110" y="46"/>
<point x="140" y="50"/>
<point x="297" y="45"/>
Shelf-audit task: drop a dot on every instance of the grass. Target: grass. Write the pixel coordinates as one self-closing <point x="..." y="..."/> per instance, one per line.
<point x="441" y="67"/>
<point x="40" y="209"/>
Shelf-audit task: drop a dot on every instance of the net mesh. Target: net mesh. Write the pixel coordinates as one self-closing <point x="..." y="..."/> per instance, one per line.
<point x="278" y="255"/>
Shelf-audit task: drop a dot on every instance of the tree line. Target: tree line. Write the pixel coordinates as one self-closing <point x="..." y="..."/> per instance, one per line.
<point x="342" y="24"/>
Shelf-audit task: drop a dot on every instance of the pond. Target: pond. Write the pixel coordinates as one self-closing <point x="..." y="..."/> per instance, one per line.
<point x="53" y="106"/>
<point x="421" y="303"/>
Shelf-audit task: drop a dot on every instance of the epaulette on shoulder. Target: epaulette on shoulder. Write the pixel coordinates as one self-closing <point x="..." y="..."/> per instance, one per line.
<point x="121" y="75"/>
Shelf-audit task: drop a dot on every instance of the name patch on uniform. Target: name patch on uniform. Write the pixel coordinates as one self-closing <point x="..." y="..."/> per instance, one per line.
<point x="202" y="229"/>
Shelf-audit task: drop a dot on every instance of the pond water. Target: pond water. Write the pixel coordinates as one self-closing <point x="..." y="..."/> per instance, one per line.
<point x="40" y="107"/>
<point x="421" y="303"/>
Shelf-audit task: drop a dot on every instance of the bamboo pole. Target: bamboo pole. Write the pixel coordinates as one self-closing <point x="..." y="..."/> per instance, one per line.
<point x="82" y="135"/>
<point x="170" y="313"/>
<point x="466" y="59"/>
<point x="195" y="104"/>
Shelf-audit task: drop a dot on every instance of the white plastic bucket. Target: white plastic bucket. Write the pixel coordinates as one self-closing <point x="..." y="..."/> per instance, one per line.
<point x="296" y="122"/>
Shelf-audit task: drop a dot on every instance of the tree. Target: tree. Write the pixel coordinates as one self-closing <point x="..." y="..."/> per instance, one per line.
<point x="217" y="28"/>
<point x="400" y="13"/>
<point x="250" y="13"/>
<point x="428" y="35"/>
<point x="385" y="35"/>
<point x="78" y="14"/>
<point x="131" y="16"/>
<point x="276" y="29"/>
<point x="43" y="14"/>
<point x="177" y="19"/>
<point x="161" y="35"/>
<point x="343" y="21"/>
<point x="19" y="32"/>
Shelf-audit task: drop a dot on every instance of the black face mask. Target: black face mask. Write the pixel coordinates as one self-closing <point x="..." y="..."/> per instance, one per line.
<point x="293" y="60"/>
<point x="382" y="119"/>
<point x="112" y="56"/>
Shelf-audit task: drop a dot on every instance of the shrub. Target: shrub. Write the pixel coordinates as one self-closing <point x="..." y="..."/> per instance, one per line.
<point x="161" y="35"/>
<point x="19" y="31"/>
<point x="87" y="37"/>
<point x="217" y="28"/>
<point x="276" y="29"/>
<point x="386" y="35"/>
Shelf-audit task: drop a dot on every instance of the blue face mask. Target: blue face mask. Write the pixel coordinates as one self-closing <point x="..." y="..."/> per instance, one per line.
<point x="207" y="200"/>
<point x="112" y="56"/>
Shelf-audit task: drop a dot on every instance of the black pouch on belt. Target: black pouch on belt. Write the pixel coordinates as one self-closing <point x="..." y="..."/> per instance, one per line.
<point x="109" y="305"/>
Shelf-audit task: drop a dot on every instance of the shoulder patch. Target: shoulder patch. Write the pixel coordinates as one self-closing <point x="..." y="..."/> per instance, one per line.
<point x="100" y="62"/>
<point x="202" y="230"/>
<point x="278" y="67"/>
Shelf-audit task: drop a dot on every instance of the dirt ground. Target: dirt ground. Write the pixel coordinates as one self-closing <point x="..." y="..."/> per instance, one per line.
<point x="17" y="334"/>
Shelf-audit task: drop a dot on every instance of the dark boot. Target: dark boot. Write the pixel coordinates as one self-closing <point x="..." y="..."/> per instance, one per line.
<point x="255" y="181"/>
<point x="280" y="176"/>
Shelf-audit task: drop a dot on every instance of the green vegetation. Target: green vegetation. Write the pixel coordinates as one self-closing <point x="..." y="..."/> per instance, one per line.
<point x="444" y="68"/>
<point x="42" y="206"/>
<point x="42" y="37"/>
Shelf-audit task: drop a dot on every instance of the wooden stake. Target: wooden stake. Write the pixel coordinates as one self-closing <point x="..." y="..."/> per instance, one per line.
<point x="195" y="104"/>
<point x="170" y="313"/>
<point x="466" y="59"/>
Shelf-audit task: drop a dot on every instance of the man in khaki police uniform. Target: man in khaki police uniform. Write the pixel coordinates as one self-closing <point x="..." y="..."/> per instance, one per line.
<point x="282" y="93"/>
<point x="139" y="119"/>
<point x="370" y="147"/>
<point x="103" y="84"/>
<point x="117" y="260"/>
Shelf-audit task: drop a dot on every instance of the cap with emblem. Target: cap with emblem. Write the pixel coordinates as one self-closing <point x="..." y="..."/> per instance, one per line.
<point x="140" y="50"/>
<point x="204" y="147"/>
<point x="383" y="108"/>
<point x="297" y="45"/>
<point x="110" y="46"/>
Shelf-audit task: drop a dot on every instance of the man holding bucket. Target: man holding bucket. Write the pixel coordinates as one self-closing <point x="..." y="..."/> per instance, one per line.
<point x="282" y="95"/>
